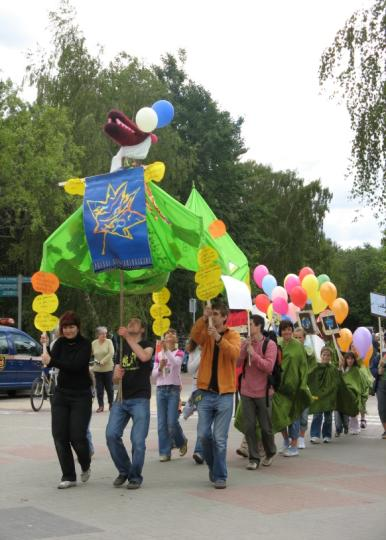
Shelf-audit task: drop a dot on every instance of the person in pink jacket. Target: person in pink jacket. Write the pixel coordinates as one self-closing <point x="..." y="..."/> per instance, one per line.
<point x="257" y="365"/>
<point x="167" y="374"/>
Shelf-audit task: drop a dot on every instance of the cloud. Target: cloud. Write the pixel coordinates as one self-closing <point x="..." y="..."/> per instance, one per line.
<point x="14" y="32"/>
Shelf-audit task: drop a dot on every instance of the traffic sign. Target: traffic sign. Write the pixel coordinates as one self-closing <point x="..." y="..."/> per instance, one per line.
<point x="8" y="291"/>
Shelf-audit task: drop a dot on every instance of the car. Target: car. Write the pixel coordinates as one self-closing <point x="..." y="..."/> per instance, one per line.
<point x="20" y="360"/>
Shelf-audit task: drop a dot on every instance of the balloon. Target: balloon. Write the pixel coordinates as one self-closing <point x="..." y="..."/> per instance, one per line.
<point x="298" y="296"/>
<point x="268" y="283"/>
<point x="146" y="119"/>
<point x="328" y="292"/>
<point x="322" y="278"/>
<point x="262" y="302"/>
<point x="340" y="309"/>
<point x="290" y="282"/>
<point x="165" y="112"/>
<point x="368" y="356"/>
<point x="280" y="305"/>
<point x="293" y="312"/>
<point x="304" y="272"/>
<point x="318" y="304"/>
<point x="279" y="292"/>
<point x="345" y="339"/>
<point x="310" y="284"/>
<point x="259" y="273"/>
<point x="270" y="312"/>
<point x="362" y="341"/>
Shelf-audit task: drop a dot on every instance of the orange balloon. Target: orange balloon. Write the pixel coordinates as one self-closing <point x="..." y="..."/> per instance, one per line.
<point x="217" y="228"/>
<point x="340" y="309"/>
<point x="44" y="282"/>
<point x="328" y="292"/>
<point x="368" y="356"/>
<point x="345" y="339"/>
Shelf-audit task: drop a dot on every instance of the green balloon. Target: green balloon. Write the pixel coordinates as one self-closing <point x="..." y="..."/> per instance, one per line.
<point x="323" y="278"/>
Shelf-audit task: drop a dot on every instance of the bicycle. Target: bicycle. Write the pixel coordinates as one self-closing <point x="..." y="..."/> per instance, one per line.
<point x="43" y="388"/>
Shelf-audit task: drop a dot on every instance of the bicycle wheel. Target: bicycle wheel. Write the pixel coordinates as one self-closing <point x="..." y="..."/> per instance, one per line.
<point x="51" y="390"/>
<point x="37" y="394"/>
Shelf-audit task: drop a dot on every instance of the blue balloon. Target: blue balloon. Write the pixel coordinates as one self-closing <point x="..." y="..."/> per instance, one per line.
<point x="269" y="283"/>
<point x="165" y="112"/>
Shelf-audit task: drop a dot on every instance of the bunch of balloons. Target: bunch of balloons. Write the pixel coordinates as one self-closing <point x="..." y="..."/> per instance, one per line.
<point x="297" y="291"/>
<point x="159" y="115"/>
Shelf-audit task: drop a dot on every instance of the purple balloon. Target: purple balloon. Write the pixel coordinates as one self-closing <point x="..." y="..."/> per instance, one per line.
<point x="361" y="339"/>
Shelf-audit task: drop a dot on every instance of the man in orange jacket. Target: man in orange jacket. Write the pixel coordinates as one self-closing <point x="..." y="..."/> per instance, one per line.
<point x="216" y="385"/>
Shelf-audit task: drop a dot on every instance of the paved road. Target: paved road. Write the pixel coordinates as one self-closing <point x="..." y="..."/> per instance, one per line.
<point x="335" y="491"/>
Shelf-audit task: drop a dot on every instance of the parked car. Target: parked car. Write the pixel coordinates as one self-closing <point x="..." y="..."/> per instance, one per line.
<point x="19" y="359"/>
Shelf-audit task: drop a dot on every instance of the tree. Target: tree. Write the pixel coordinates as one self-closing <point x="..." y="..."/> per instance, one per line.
<point x="356" y="63"/>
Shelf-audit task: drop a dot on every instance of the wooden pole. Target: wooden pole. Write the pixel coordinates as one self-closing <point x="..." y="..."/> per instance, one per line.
<point x="121" y="299"/>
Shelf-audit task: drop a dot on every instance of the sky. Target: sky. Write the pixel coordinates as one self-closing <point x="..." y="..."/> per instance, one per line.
<point x="258" y="59"/>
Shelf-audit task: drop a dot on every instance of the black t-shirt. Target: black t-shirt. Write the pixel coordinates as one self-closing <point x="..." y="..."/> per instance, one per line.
<point x="136" y="380"/>
<point x="213" y="385"/>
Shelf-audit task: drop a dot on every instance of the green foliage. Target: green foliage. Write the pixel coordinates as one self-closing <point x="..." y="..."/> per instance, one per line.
<point x="356" y="63"/>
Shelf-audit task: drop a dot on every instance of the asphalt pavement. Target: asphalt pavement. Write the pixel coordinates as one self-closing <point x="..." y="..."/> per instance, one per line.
<point x="331" y="491"/>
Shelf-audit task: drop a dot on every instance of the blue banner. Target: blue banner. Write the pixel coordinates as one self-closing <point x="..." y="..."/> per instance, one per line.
<point x="114" y="217"/>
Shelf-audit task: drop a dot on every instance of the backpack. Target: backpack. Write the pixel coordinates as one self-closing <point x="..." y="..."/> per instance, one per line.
<point x="274" y="379"/>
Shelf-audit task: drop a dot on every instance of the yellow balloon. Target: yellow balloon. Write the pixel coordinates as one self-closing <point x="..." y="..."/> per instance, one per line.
<point x="154" y="172"/>
<point x="270" y="312"/>
<point x="157" y="311"/>
<point x="340" y="309"/>
<point x="206" y="256"/>
<point x="161" y="326"/>
<point x="328" y="292"/>
<point x="45" y="302"/>
<point x="310" y="284"/>
<point x="345" y="339"/>
<point x="210" y="273"/>
<point x="45" y="321"/>
<point x="161" y="297"/>
<point x="318" y="304"/>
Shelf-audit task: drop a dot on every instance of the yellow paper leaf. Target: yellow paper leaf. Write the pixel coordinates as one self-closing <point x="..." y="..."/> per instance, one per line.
<point x="206" y="256"/>
<point x="157" y="311"/>
<point x="207" y="291"/>
<point x="154" y="172"/>
<point x="161" y="326"/>
<point x="45" y="321"/>
<point x="161" y="297"/>
<point x="211" y="273"/>
<point x="75" y="186"/>
<point x="45" y="302"/>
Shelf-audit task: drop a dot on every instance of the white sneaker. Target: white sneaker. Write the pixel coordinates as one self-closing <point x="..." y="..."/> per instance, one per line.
<point x="301" y="443"/>
<point x="326" y="439"/>
<point x="252" y="466"/>
<point x="315" y="440"/>
<point x="267" y="461"/>
<point x="85" y="475"/>
<point x="285" y="446"/>
<point x="291" y="452"/>
<point x="64" y="484"/>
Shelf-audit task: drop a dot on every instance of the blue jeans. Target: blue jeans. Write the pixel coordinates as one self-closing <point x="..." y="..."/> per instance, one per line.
<point x="169" y="429"/>
<point x="304" y="421"/>
<point x="294" y="430"/>
<point x="138" y="409"/>
<point x="214" y="417"/>
<point x="316" y="425"/>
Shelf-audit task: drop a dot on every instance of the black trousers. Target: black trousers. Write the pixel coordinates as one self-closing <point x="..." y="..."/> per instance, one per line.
<point x="104" y="381"/>
<point x="255" y="409"/>
<point x="70" y="417"/>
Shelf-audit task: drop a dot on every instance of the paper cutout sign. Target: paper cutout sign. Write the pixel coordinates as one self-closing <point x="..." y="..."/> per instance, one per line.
<point x="161" y="297"/>
<point x="217" y="228"/>
<point x="48" y="303"/>
<point x="206" y="256"/>
<point x="161" y="326"/>
<point x="45" y="321"/>
<point x="157" y="311"/>
<point x="207" y="291"/>
<point x="211" y="274"/>
<point x="44" y="282"/>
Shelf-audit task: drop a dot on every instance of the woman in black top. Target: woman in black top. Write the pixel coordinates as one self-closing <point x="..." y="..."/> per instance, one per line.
<point x="71" y="406"/>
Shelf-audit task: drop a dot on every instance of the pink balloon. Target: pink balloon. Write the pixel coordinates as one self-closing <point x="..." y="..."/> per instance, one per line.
<point x="280" y="305"/>
<point x="259" y="273"/>
<point x="293" y="312"/>
<point x="291" y="282"/>
<point x="279" y="292"/>
<point x="304" y="272"/>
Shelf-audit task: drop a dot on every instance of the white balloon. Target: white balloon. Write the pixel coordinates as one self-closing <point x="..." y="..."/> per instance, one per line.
<point x="146" y="119"/>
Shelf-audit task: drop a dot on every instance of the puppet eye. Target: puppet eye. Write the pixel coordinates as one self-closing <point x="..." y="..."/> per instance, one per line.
<point x="146" y="119"/>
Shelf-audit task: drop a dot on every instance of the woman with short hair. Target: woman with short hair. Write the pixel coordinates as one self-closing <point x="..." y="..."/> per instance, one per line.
<point x="103" y="352"/>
